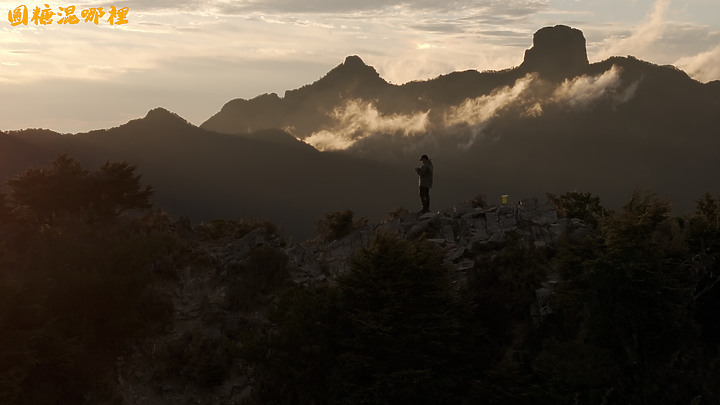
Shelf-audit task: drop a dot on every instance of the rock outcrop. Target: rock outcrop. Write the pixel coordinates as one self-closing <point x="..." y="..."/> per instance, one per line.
<point x="202" y="289"/>
<point x="557" y="53"/>
<point x="460" y="230"/>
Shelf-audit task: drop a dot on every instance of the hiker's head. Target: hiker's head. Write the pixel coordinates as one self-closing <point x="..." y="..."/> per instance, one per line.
<point x="424" y="158"/>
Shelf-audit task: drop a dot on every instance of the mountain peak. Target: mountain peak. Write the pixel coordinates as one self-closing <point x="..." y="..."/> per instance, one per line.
<point x="354" y="61"/>
<point x="352" y="76"/>
<point x="160" y="114"/>
<point x="354" y="68"/>
<point x="557" y="53"/>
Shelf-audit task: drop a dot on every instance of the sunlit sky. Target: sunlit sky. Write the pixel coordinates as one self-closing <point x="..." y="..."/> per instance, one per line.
<point x="191" y="57"/>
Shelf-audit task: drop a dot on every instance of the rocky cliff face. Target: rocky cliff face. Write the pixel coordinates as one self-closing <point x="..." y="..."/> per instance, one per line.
<point x="202" y="290"/>
<point x="557" y="53"/>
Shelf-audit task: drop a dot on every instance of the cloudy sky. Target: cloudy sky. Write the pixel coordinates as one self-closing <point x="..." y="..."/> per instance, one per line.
<point x="191" y="57"/>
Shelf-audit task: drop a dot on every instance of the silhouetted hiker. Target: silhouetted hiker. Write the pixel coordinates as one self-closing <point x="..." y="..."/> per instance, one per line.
<point x="425" y="173"/>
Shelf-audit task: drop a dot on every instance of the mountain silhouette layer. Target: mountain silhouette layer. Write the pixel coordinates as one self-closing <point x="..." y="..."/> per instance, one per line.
<point x="350" y="140"/>
<point x="556" y="122"/>
<point x="206" y="175"/>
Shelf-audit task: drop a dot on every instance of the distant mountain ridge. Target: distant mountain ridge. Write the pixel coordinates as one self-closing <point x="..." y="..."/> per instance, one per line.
<point x="206" y="175"/>
<point x="608" y="126"/>
<point x="558" y="54"/>
<point x="553" y="124"/>
<point x="351" y="78"/>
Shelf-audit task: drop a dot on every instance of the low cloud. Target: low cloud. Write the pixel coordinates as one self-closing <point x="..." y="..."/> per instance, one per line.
<point x="464" y="124"/>
<point x="358" y="119"/>
<point x="583" y="91"/>
<point x="530" y="94"/>
<point x="703" y="67"/>
<point x="478" y="110"/>
<point x="642" y="37"/>
<point x="467" y="121"/>
<point x="329" y="140"/>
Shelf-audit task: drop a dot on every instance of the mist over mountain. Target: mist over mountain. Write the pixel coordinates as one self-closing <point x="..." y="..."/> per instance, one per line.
<point x="555" y="123"/>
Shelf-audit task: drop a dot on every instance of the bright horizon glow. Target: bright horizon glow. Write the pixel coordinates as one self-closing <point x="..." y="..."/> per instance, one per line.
<point x="193" y="57"/>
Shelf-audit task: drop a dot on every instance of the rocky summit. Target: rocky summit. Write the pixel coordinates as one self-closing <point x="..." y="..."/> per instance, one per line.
<point x="460" y="230"/>
<point x="201" y="292"/>
<point x="557" y="53"/>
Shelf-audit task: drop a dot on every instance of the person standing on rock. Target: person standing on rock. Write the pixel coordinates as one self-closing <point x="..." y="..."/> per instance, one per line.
<point x="425" y="181"/>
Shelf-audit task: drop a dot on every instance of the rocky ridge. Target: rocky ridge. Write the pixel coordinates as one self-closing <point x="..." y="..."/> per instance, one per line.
<point x="200" y="292"/>
<point x="460" y="230"/>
